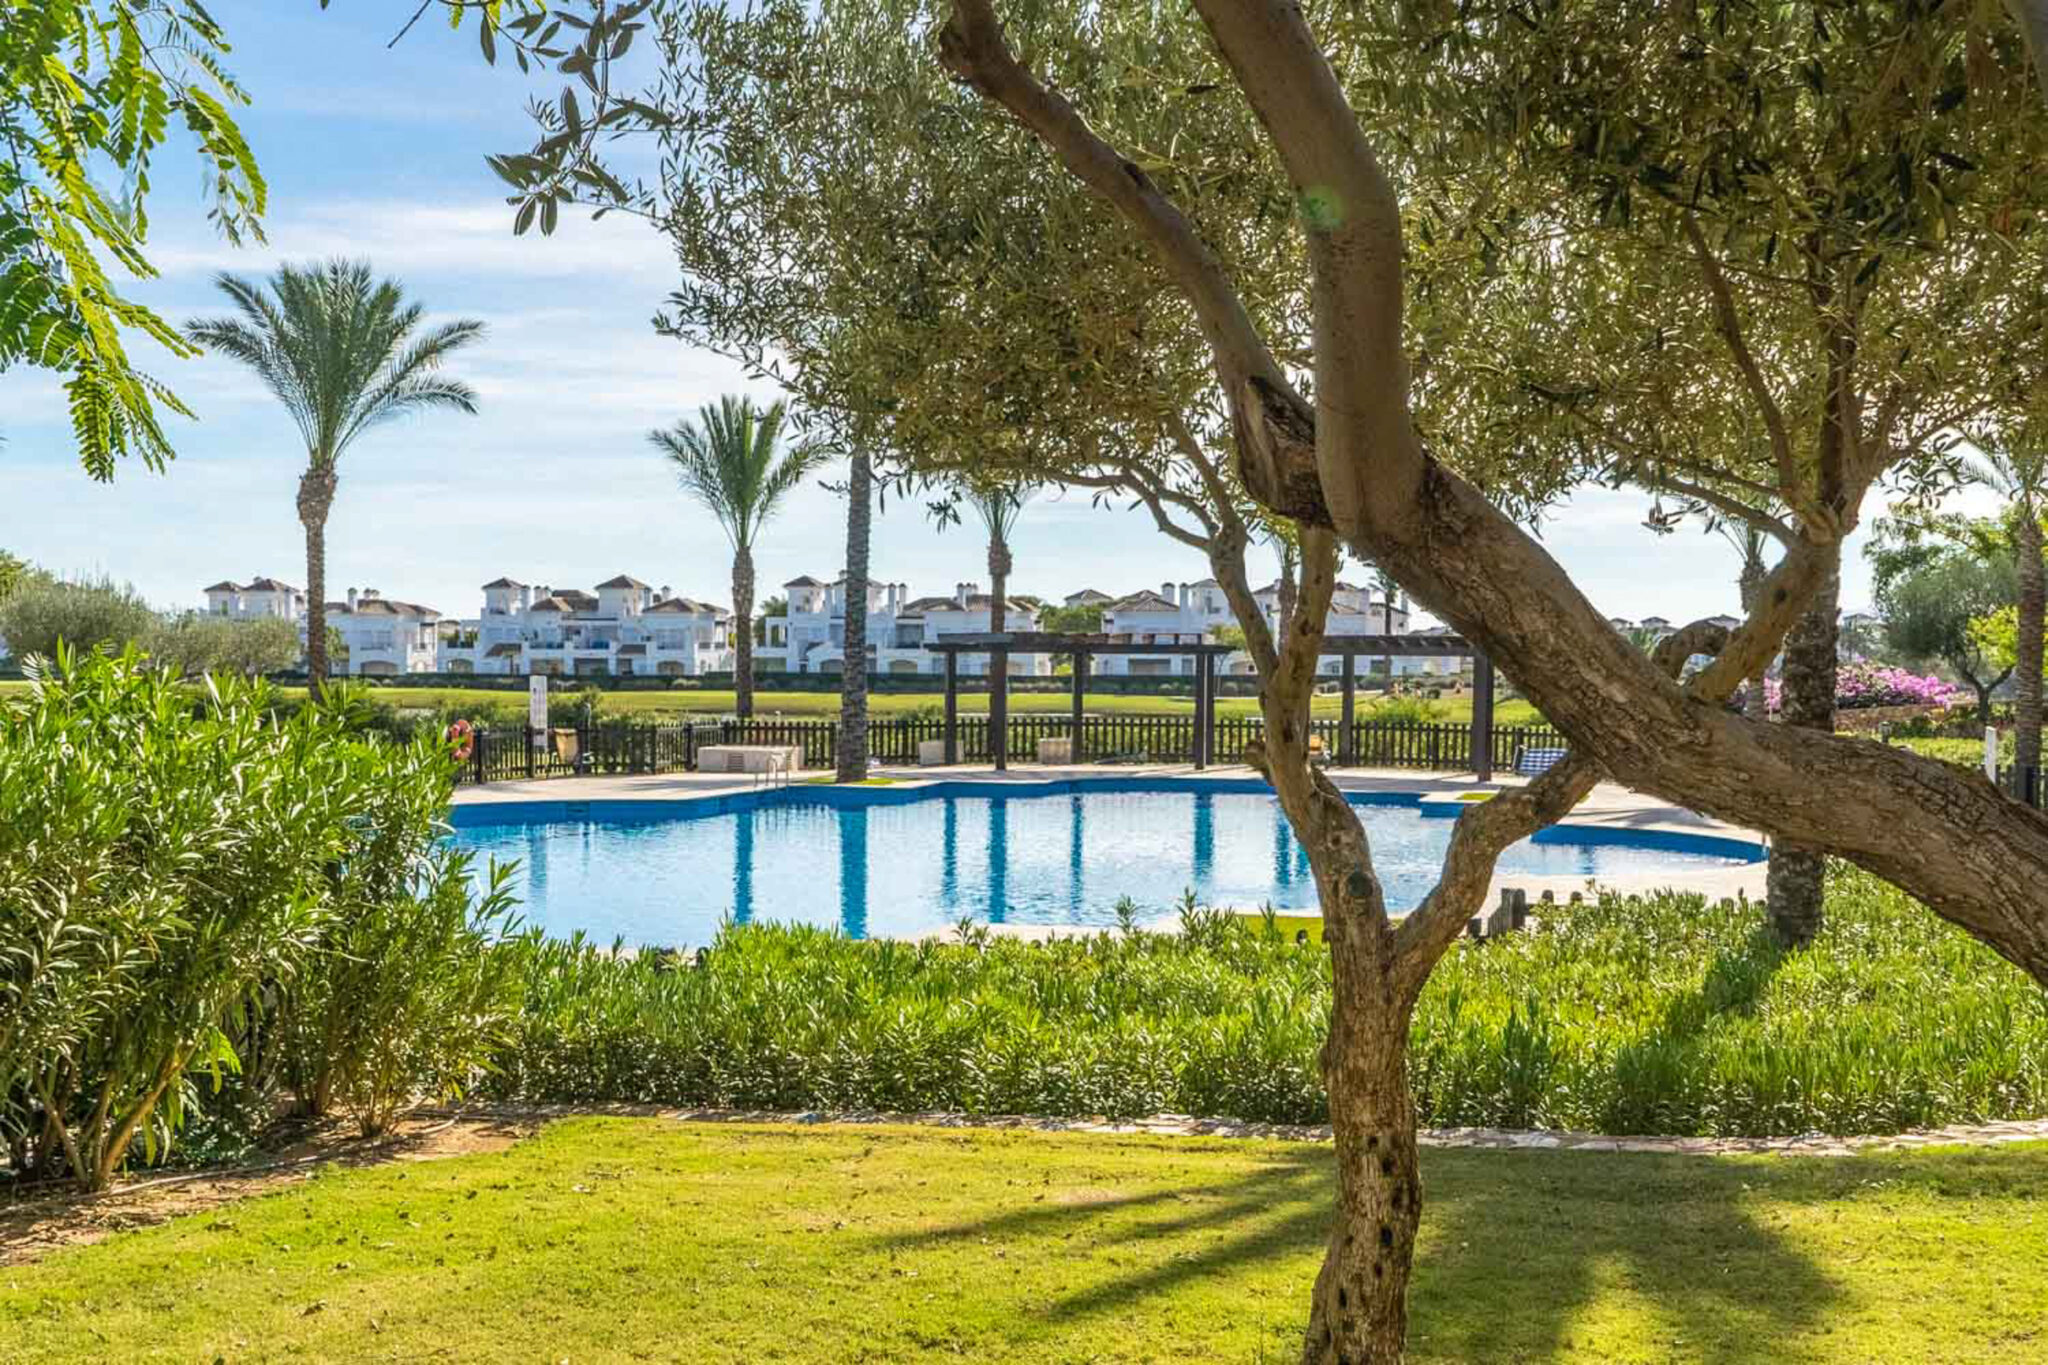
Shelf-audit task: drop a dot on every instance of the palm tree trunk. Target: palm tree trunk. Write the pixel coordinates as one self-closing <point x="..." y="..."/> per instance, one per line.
<point x="998" y="598"/>
<point x="316" y="497"/>
<point x="1286" y="589"/>
<point x="1796" y="878"/>
<point x="853" y="680"/>
<point x="2033" y="605"/>
<point x="743" y="632"/>
<point x="1755" y="702"/>
<point x="998" y="580"/>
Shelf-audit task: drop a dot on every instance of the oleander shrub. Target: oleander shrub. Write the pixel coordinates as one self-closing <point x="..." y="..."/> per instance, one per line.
<point x="176" y="862"/>
<point x="409" y="989"/>
<point x="1631" y="1014"/>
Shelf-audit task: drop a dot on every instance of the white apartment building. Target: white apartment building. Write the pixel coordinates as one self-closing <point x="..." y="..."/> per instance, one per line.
<point x="624" y="629"/>
<point x="255" y="600"/>
<point x="379" y="635"/>
<point x="1177" y="614"/>
<point x="812" y="637"/>
<point x="1187" y="613"/>
<point x="382" y="636"/>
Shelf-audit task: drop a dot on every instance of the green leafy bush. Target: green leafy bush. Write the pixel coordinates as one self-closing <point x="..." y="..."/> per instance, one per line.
<point x="1402" y="710"/>
<point x="1638" y="1014"/>
<point x="43" y="612"/>
<point x="412" y="985"/>
<point x="171" y="860"/>
<point x="195" y="643"/>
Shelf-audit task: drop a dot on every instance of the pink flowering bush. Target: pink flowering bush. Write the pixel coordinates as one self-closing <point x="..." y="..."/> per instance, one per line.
<point x="1867" y="684"/>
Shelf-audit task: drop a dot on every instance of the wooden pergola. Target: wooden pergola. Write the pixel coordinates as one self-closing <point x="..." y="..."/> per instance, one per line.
<point x="1000" y="646"/>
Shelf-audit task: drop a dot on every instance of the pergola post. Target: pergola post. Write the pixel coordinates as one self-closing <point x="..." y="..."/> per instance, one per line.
<point x="1080" y="686"/>
<point x="952" y="707"/>
<point x="1346" y="748"/>
<point x="999" y="705"/>
<point x="1482" y="717"/>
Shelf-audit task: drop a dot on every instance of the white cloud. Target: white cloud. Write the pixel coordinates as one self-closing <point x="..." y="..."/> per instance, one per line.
<point x="470" y="237"/>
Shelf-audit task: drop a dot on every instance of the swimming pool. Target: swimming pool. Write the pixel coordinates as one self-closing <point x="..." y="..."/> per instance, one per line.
<point x="902" y="860"/>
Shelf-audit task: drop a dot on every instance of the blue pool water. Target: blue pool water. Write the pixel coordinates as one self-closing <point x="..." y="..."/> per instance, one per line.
<point x="882" y="861"/>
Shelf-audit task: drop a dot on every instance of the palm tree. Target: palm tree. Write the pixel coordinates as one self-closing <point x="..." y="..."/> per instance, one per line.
<point x="1749" y="540"/>
<point x="727" y="460"/>
<point x="2022" y="480"/>
<point x="1384" y="581"/>
<point x="1287" y="585"/>
<point x="997" y="505"/>
<point x="852" y="757"/>
<point x="344" y="352"/>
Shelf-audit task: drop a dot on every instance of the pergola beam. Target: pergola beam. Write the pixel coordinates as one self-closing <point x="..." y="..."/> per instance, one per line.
<point x="999" y="646"/>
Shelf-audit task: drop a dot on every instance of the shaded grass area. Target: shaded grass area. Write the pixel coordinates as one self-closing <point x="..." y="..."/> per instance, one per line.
<point x="617" y="1239"/>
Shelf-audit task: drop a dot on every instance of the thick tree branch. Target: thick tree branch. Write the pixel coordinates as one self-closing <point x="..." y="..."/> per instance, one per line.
<point x="1478" y="838"/>
<point x="1484" y="831"/>
<point x="1971" y="854"/>
<point x="972" y="47"/>
<point x="1365" y="445"/>
<point x="2032" y="16"/>
<point x="1275" y="429"/>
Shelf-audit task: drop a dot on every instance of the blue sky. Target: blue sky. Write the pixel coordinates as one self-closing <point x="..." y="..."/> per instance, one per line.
<point x="379" y="153"/>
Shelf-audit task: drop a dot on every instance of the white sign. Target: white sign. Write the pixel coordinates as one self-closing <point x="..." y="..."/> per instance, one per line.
<point x="537" y="706"/>
<point x="1991" y="753"/>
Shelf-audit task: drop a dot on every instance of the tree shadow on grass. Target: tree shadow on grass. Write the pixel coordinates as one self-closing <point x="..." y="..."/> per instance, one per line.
<point x="1519" y="1246"/>
<point x="1516" y="1247"/>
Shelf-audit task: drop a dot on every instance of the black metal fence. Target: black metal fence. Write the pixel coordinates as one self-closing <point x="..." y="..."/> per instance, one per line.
<point x="511" y="753"/>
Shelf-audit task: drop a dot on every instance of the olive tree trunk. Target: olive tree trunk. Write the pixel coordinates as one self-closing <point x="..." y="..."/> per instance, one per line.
<point x="2033" y="604"/>
<point x="852" y="756"/>
<point x="316" y="499"/>
<point x="743" y="632"/>
<point x="1796" y="879"/>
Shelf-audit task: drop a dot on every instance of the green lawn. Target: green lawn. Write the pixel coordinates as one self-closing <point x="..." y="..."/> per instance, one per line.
<point x="626" y="1239"/>
<point x="826" y="704"/>
<point x="668" y="704"/>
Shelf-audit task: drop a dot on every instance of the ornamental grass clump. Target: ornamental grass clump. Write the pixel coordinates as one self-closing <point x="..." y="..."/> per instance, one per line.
<point x="1638" y="1014"/>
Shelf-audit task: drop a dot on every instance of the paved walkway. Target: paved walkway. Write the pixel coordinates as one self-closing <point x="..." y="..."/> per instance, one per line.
<point x="1608" y="806"/>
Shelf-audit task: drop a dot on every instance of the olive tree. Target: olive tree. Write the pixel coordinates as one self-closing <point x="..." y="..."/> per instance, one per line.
<point x="1282" y="294"/>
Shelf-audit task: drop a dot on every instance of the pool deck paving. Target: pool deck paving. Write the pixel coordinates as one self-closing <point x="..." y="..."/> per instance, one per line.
<point x="1609" y="806"/>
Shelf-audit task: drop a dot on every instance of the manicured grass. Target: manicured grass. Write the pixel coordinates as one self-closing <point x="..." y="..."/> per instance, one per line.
<point x="1964" y="753"/>
<point x="824" y="705"/>
<point x="641" y="1239"/>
